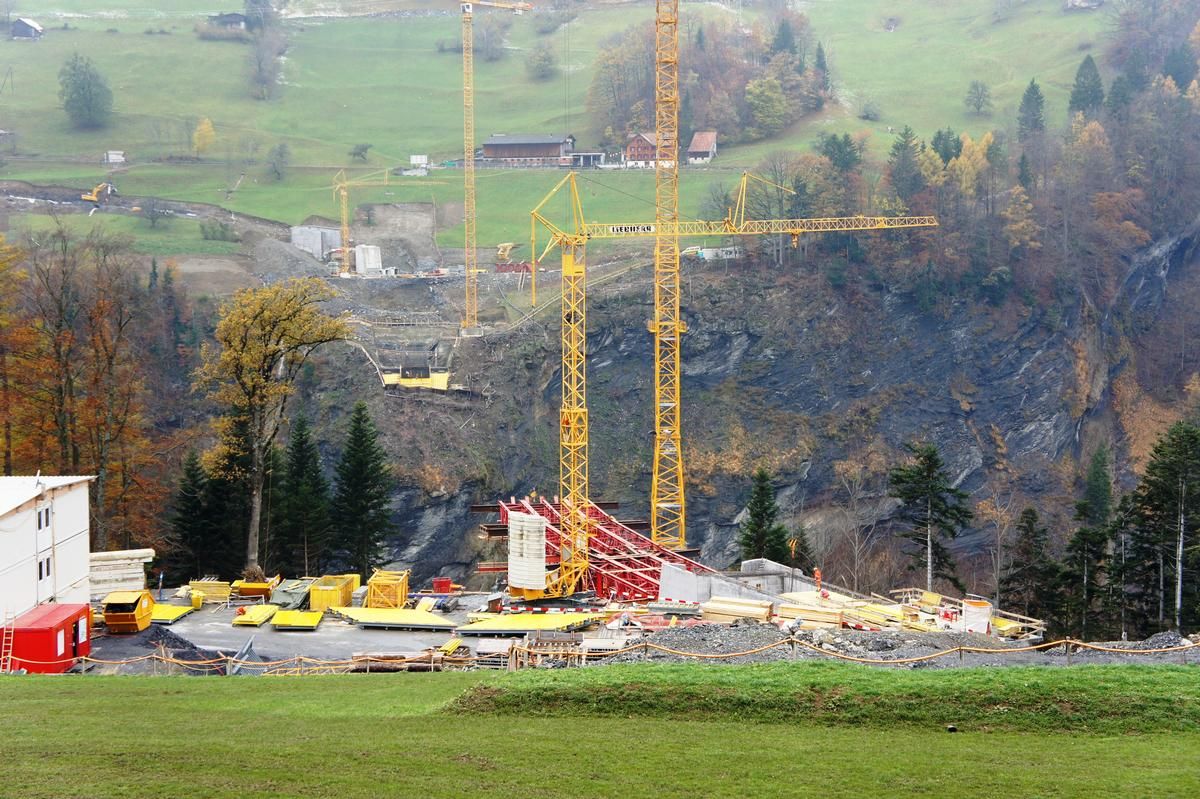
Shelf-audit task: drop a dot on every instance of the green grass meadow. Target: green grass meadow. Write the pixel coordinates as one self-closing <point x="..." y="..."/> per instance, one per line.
<point x="383" y="81"/>
<point x="405" y="735"/>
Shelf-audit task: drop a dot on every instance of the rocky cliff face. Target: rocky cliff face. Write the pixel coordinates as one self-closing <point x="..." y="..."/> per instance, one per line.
<point x="782" y="370"/>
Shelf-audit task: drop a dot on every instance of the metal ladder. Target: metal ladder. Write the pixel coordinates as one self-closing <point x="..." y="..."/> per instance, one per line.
<point x="6" y="643"/>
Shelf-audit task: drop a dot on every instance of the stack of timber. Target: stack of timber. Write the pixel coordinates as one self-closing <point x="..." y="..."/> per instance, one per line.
<point x="118" y="571"/>
<point x="726" y="609"/>
<point x="213" y="590"/>
<point x="814" y="617"/>
<point x="387" y="589"/>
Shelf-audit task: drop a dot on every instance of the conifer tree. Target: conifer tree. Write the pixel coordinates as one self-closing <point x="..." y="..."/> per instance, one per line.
<point x="301" y="537"/>
<point x="1029" y="581"/>
<point x="1168" y="505"/>
<point x="761" y="535"/>
<point x="907" y="179"/>
<point x="933" y="508"/>
<point x="1031" y="116"/>
<point x="1083" y="573"/>
<point x="190" y="525"/>
<point x="1098" y="488"/>
<point x="1087" y="95"/>
<point x="822" y="66"/>
<point x="361" y="520"/>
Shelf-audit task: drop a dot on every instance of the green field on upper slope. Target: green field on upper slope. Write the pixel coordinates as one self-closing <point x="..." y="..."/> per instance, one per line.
<point x="383" y="81"/>
<point x="393" y="735"/>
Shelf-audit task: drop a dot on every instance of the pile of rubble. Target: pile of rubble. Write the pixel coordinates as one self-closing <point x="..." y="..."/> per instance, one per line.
<point x="704" y="641"/>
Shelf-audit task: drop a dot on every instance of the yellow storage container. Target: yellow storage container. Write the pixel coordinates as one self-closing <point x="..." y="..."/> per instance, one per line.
<point x="197" y="599"/>
<point x="331" y="591"/>
<point x="356" y="581"/>
<point x="128" y="611"/>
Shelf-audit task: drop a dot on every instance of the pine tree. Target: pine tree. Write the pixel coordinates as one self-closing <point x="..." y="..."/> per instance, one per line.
<point x="1168" y="507"/>
<point x="361" y="520"/>
<point x="822" y="66"/>
<point x="1121" y="530"/>
<point x="1087" y="95"/>
<point x="947" y="144"/>
<point x="1031" y="116"/>
<point x="933" y="509"/>
<point x="907" y="179"/>
<point x="1098" y="488"/>
<point x="190" y="526"/>
<point x="1029" y="582"/>
<point x="300" y="542"/>
<point x="761" y="535"/>
<point x="1025" y="174"/>
<point x="785" y="40"/>
<point x="1083" y="572"/>
<point x="1180" y="66"/>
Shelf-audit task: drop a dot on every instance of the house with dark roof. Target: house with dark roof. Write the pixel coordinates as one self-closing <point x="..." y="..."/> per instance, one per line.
<point x="529" y="149"/>
<point x="25" y="28"/>
<point x="231" y="21"/>
<point x="703" y="147"/>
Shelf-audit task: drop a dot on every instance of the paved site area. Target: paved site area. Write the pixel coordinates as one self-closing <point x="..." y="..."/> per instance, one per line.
<point x="208" y="631"/>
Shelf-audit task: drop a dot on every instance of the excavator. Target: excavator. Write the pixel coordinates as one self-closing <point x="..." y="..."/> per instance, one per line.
<point x="100" y="191"/>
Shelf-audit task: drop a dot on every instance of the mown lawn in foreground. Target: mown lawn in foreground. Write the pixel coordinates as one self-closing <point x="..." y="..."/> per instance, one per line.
<point x="393" y="735"/>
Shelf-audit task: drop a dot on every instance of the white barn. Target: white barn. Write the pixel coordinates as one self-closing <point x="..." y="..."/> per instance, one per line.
<point x="45" y="542"/>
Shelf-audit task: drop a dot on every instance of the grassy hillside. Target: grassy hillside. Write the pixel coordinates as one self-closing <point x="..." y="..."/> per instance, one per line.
<point x="367" y="736"/>
<point x="383" y="81"/>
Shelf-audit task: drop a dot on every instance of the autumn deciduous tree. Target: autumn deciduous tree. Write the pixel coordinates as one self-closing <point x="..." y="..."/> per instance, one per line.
<point x="264" y="337"/>
<point x="204" y="136"/>
<point x="10" y="278"/>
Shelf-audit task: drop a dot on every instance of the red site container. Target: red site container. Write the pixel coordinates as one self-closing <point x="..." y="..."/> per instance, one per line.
<point x="442" y="585"/>
<point x="48" y="638"/>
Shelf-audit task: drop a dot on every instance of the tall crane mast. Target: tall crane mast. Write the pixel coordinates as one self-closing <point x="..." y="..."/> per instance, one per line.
<point x="573" y="413"/>
<point x="470" y="318"/>
<point x="341" y="189"/>
<point x="667" y="511"/>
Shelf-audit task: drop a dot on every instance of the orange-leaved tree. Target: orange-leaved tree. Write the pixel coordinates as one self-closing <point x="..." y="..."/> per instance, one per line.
<point x="263" y="339"/>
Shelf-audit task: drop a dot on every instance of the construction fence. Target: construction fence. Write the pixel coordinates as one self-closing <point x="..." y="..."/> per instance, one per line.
<point x="520" y="656"/>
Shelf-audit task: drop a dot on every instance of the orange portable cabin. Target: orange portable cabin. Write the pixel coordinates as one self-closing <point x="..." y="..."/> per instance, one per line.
<point x="49" y="638"/>
<point x="128" y="611"/>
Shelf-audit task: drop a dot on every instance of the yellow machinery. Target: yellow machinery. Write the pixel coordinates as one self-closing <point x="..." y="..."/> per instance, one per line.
<point x="341" y="189"/>
<point x="573" y="415"/>
<point x="98" y="192"/>
<point x="128" y="611"/>
<point x="471" y="278"/>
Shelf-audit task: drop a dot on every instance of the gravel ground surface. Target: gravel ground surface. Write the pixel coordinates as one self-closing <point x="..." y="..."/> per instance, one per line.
<point x="716" y="639"/>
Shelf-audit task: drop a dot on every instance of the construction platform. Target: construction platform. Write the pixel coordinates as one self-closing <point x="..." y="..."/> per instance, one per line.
<point x="297" y="620"/>
<point x="623" y="564"/>
<point x="395" y="619"/>
<point x="255" y="615"/>
<point x="516" y="624"/>
<point x="169" y="614"/>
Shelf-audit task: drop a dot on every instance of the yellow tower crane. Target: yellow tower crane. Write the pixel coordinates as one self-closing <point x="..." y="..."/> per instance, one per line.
<point x="341" y="190"/>
<point x="471" y="279"/>
<point x="667" y="516"/>
<point x="573" y="413"/>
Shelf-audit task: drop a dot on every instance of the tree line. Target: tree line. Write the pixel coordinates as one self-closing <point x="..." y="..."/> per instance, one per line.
<point x="746" y="84"/>
<point x="309" y="526"/>
<point x="1128" y="566"/>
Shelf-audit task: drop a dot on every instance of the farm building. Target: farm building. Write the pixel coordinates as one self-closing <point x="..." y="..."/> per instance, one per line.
<point x="703" y="147"/>
<point x="641" y="151"/>
<point x="44" y="541"/>
<point x="25" y="28"/>
<point x="529" y="150"/>
<point x="232" y="21"/>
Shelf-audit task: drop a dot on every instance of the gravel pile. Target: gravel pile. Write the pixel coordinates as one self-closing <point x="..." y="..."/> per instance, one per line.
<point x="890" y="645"/>
<point x="710" y="639"/>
